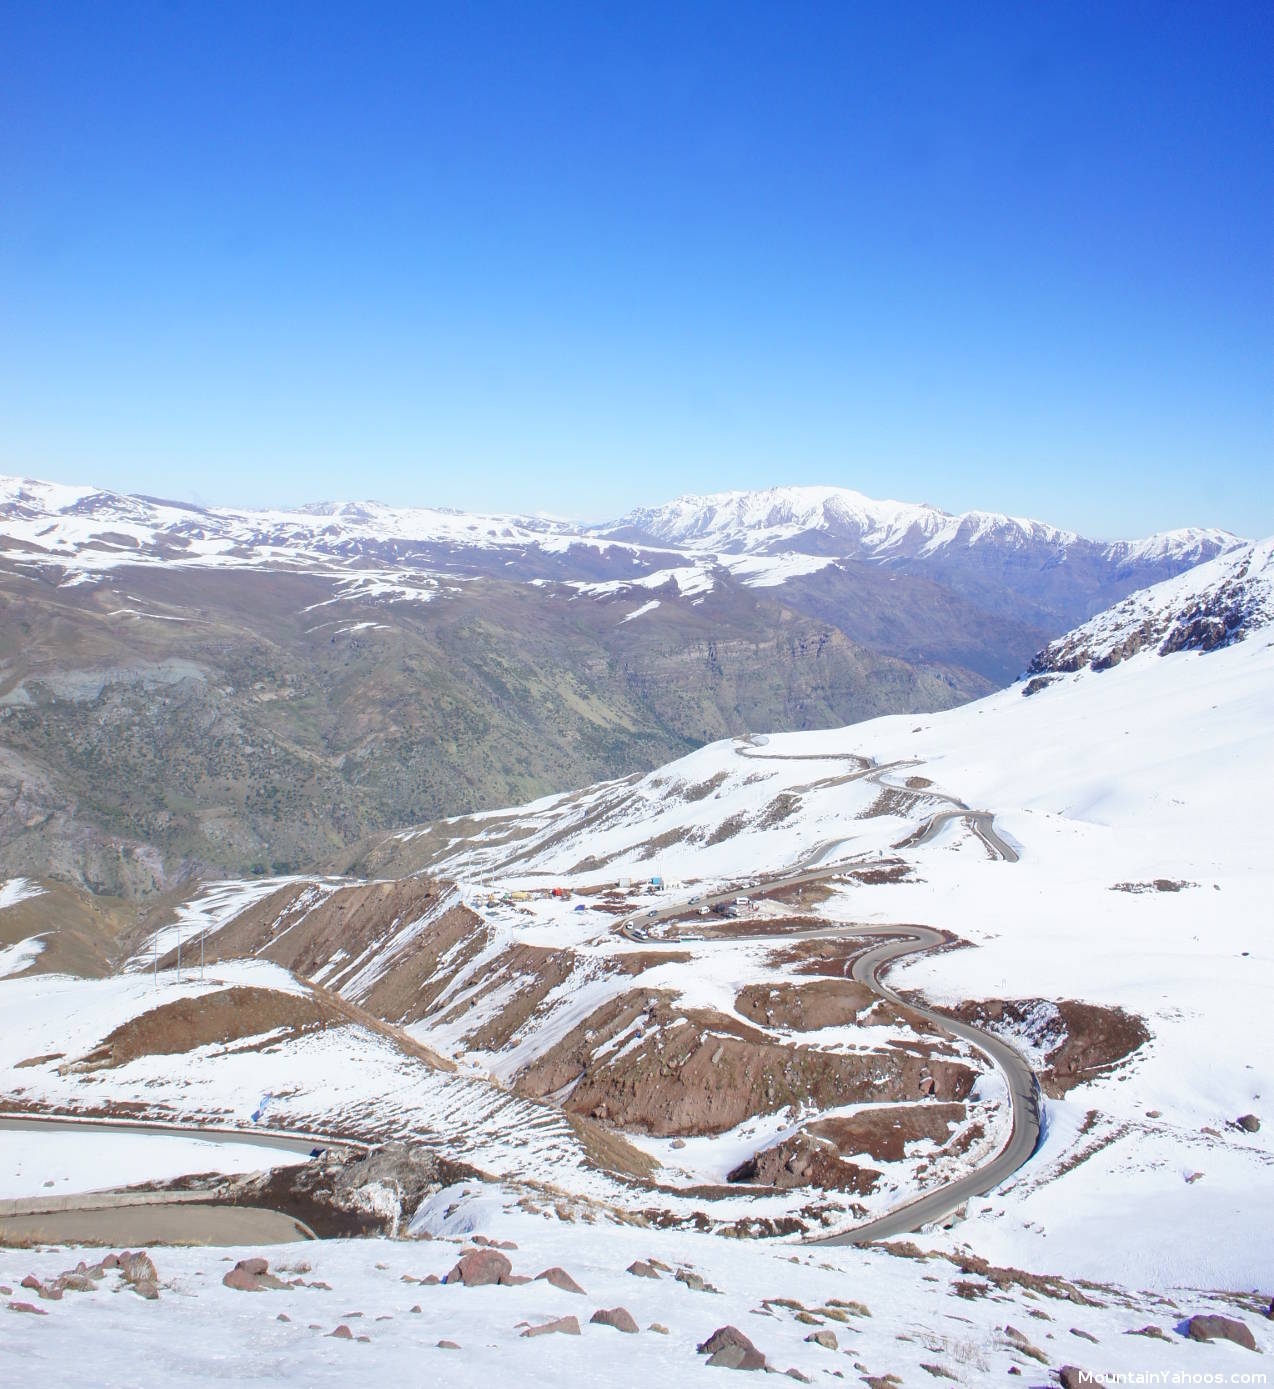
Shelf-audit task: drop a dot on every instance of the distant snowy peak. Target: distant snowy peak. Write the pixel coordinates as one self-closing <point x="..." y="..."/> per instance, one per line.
<point x="1215" y="604"/>
<point x="838" y="520"/>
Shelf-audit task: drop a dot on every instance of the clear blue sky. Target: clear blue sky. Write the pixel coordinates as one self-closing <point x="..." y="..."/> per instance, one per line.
<point x="583" y="257"/>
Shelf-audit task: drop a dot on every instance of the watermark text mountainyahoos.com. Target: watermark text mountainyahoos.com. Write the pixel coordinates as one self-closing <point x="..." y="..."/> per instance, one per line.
<point x="1174" y="1377"/>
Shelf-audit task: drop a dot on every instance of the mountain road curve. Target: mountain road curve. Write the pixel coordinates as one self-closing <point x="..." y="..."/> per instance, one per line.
<point x="867" y="967"/>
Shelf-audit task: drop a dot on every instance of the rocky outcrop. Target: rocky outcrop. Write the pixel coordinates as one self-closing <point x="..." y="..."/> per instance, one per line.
<point x="803" y="1160"/>
<point x="339" y="1195"/>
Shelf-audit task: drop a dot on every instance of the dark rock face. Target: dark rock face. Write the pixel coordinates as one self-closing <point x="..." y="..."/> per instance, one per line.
<point x="1215" y="1328"/>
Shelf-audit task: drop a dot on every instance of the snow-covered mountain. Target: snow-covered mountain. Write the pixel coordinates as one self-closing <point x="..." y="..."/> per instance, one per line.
<point x="823" y="520"/>
<point x="90" y="528"/>
<point x="1207" y="607"/>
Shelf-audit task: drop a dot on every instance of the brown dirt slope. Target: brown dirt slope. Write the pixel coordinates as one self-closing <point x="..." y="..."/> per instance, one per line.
<point x="685" y="1072"/>
<point x="221" y="1017"/>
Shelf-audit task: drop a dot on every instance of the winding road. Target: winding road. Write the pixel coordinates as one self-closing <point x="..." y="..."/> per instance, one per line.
<point x="1022" y="1085"/>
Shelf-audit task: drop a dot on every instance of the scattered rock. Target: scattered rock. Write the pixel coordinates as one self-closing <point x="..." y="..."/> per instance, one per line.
<point x="1072" y="1377"/>
<point x="342" y="1333"/>
<point x="252" y="1276"/>
<point x="27" y="1307"/>
<point x="417" y="1308"/>
<point x="694" y="1282"/>
<point x="567" y="1326"/>
<point x="560" y="1279"/>
<point x="658" y="1267"/>
<point x="794" y="1373"/>
<point x="618" y="1317"/>
<point x="639" y="1268"/>
<point x="137" y="1267"/>
<point x="728" y="1348"/>
<point x="825" y="1338"/>
<point x="448" y="1345"/>
<point x="658" y="1328"/>
<point x="1020" y="1343"/>
<point x="147" y="1288"/>
<point x="283" y="1316"/>
<point x="1249" y="1123"/>
<point x="430" y="1281"/>
<point x="1154" y="1331"/>
<point x="76" y="1283"/>
<point x="1083" y="1335"/>
<point x="479" y="1268"/>
<point x="1213" y="1328"/>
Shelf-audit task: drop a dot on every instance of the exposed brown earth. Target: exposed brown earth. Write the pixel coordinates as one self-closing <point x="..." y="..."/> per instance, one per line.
<point x="692" y="1071"/>
<point x="304" y="931"/>
<point x="213" y="1018"/>
<point x="805" y="1007"/>
<point x="1082" y="1041"/>
<point x="831" y="957"/>
<point x="884" y="1133"/>
<point x="82" y="934"/>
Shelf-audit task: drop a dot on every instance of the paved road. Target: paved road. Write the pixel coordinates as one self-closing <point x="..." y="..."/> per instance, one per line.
<point x="981" y="822"/>
<point x="1022" y="1085"/>
<point x="1023" y="1096"/>
<point x="186" y="1222"/>
<point x="152" y="1217"/>
<point x="287" y="1141"/>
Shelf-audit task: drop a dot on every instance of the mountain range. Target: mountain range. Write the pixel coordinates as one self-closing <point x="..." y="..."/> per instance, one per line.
<point x="186" y="689"/>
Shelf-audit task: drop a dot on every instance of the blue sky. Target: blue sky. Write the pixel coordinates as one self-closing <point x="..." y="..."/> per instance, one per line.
<point x="585" y="257"/>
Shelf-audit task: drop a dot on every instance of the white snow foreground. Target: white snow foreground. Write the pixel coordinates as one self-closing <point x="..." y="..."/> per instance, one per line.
<point x="876" y="1314"/>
